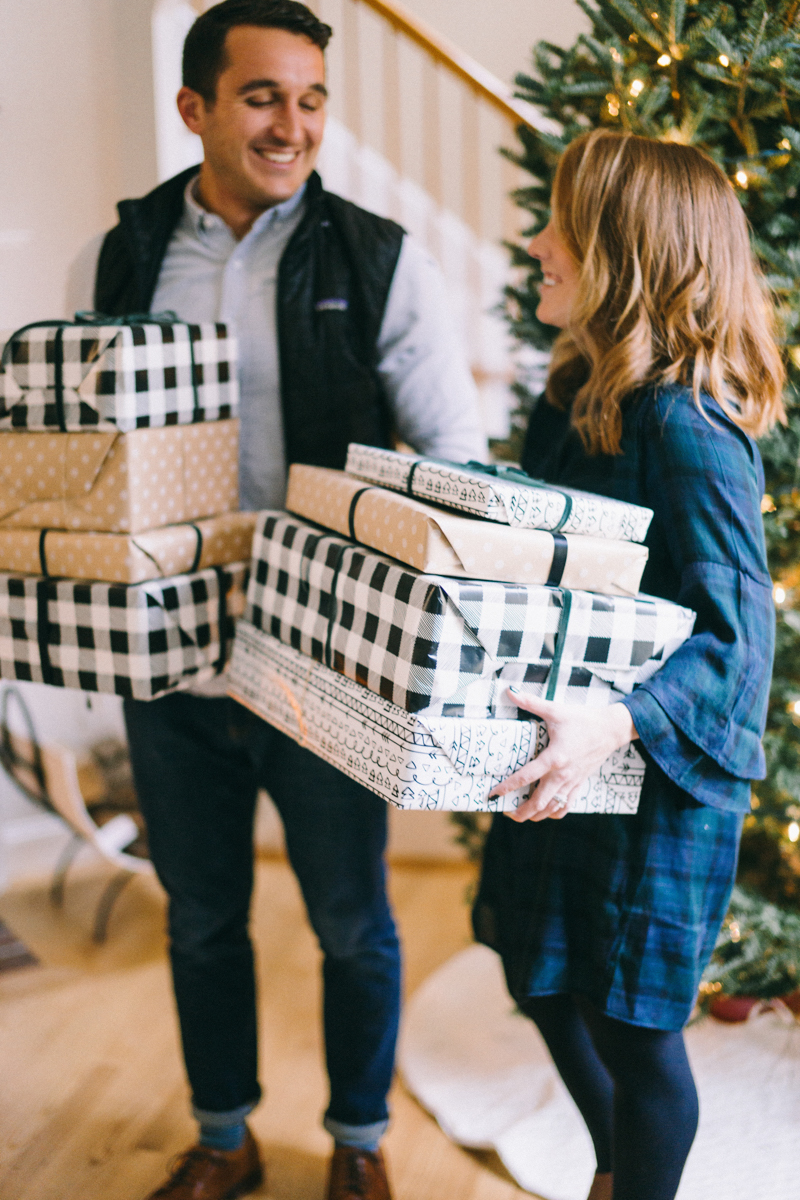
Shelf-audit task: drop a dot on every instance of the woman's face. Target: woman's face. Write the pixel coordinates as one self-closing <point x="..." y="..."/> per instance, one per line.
<point x="559" y="288"/>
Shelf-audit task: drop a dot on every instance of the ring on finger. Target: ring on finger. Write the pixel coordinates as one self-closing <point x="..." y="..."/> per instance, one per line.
<point x="559" y="800"/>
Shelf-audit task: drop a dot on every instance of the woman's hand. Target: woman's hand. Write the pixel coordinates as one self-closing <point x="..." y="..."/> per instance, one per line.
<point x="581" y="739"/>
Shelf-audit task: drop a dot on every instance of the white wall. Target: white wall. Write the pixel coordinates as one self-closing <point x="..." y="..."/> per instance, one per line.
<point x="76" y="134"/>
<point x="176" y="147"/>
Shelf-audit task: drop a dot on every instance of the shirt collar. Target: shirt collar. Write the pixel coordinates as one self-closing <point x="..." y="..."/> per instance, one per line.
<point x="203" y="221"/>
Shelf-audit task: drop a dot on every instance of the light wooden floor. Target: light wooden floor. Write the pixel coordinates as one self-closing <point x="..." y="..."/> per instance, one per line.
<point x="93" y="1102"/>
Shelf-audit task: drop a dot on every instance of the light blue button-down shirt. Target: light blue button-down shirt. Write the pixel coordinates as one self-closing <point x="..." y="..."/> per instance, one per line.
<point x="208" y="276"/>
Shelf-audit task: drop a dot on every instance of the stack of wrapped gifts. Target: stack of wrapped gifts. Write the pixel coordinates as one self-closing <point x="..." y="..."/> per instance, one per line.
<point x="122" y="556"/>
<point x="390" y="609"/>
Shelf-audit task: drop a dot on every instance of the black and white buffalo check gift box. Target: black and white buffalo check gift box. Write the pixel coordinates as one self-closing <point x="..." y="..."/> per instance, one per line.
<point x="137" y="640"/>
<point x="58" y="375"/>
<point x="447" y="645"/>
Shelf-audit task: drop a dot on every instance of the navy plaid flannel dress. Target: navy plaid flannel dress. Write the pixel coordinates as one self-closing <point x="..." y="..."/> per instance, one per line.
<point x="625" y="910"/>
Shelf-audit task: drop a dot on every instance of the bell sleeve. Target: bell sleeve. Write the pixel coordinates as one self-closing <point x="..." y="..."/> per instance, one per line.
<point x="702" y="716"/>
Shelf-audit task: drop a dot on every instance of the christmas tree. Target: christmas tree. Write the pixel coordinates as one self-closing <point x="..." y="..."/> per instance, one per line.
<point x="726" y="78"/>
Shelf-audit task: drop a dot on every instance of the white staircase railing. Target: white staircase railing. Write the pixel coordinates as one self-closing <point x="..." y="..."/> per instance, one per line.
<point x="415" y="132"/>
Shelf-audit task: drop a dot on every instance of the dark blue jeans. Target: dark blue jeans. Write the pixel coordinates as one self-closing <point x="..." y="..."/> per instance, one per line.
<point x="198" y="764"/>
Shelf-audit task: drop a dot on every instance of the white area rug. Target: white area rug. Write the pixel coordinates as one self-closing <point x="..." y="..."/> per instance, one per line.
<point x="483" y="1071"/>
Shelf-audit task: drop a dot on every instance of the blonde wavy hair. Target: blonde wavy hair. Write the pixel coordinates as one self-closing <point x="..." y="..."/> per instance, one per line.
<point x="668" y="291"/>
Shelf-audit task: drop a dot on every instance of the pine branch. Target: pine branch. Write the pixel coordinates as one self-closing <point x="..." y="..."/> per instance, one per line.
<point x="748" y="67"/>
<point x="641" y="24"/>
<point x="677" y="14"/>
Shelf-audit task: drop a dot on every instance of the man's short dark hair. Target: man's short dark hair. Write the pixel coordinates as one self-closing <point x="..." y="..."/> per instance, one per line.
<point x="204" y="57"/>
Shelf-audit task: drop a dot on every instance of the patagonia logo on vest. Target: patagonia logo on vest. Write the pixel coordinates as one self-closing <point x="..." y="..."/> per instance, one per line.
<point x="332" y="305"/>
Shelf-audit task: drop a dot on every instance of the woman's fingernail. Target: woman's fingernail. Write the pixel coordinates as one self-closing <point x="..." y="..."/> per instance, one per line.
<point x="515" y="690"/>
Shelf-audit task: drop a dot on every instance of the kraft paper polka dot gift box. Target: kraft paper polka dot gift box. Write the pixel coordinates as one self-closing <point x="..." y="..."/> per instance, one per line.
<point x="129" y="557"/>
<point x="441" y="542"/>
<point x="118" y="482"/>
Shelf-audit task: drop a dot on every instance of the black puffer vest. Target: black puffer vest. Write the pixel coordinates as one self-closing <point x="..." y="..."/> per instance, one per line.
<point x="333" y="284"/>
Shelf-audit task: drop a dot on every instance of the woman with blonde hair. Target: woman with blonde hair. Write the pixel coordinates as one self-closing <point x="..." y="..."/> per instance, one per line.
<point x="665" y="371"/>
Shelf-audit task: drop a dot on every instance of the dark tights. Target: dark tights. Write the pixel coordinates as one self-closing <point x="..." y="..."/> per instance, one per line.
<point x="633" y="1088"/>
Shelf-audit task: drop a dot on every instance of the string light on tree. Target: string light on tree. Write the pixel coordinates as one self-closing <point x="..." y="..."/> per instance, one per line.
<point x="757" y="953"/>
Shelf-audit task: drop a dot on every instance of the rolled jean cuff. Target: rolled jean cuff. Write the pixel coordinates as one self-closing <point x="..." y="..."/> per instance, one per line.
<point x="359" y="1136"/>
<point x="222" y="1120"/>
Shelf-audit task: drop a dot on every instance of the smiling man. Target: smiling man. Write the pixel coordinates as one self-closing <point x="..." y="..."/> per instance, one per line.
<point x="262" y="127"/>
<point x="344" y="336"/>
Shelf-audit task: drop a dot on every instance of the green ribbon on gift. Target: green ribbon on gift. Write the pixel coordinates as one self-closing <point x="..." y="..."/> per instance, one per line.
<point x="89" y="318"/>
<point x="504" y="473"/>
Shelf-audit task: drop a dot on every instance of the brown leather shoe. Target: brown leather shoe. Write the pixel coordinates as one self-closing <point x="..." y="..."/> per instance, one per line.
<point x="358" y="1175"/>
<point x="205" y="1174"/>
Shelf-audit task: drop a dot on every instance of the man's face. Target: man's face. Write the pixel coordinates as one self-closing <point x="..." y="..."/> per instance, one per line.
<point x="262" y="134"/>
